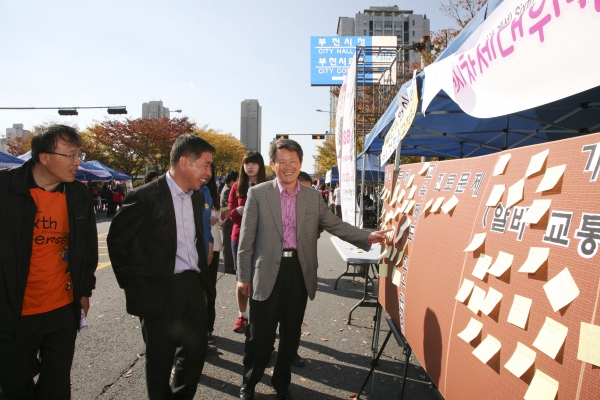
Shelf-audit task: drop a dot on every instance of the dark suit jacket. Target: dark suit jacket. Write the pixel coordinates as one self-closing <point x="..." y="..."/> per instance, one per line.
<point x="142" y="243"/>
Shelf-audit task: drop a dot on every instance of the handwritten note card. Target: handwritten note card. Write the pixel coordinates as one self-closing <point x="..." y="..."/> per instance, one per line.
<point x="551" y="337"/>
<point x="496" y="195"/>
<point x="515" y="193"/>
<point x="427" y="205"/>
<point x="482" y="265"/>
<point x="410" y="181"/>
<point x="383" y="270"/>
<point x="501" y="164"/>
<point x="409" y="206"/>
<point x="561" y="290"/>
<point x="385" y="253"/>
<point x="477" y="241"/>
<point x="437" y="204"/>
<point x="589" y="344"/>
<point x="492" y="298"/>
<point x="536" y="211"/>
<point x="519" y="312"/>
<point x="551" y="178"/>
<point x="411" y="194"/>
<point x="465" y="290"/>
<point x="537" y="256"/>
<point x="521" y="360"/>
<point x="476" y="299"/>
<point x="471" y="331"/>
<point x="503" y="262"/>
<point x="450" y="204"/>
<point x="536" y="163"/>
<point x="542" y="387"/>
<point x="487" y="349"/>
<point x="396" y="277"/>
<point x="424" y="168"/>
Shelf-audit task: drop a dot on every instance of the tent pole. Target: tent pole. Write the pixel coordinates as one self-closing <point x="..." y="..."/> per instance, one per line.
<point x="362" y="189"/>
<point x="378" y="189"/>
<point x="397" y="163"/>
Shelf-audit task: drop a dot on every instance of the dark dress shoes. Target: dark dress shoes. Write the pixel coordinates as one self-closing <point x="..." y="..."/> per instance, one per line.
<point x="284" y="396"/>
<point x="297" y="361"/>
<point x="246" y="393"/>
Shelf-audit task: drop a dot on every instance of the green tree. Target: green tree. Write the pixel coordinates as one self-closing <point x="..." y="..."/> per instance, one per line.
<point x="230" y="151"/>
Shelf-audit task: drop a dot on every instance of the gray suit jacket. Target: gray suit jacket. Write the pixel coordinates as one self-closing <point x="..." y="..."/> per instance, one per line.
<point x="261" y="237"/>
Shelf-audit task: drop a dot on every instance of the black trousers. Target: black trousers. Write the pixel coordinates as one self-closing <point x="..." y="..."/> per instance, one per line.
<point x="285" y="305"/>
<point x="213" y="268"/>
<point x="227" y="253"/>
<point x="180" y="332"/>
<point x="53" y="334"/>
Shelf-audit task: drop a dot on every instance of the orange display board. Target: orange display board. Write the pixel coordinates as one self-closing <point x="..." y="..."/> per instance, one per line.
<point x="523" y="288"/>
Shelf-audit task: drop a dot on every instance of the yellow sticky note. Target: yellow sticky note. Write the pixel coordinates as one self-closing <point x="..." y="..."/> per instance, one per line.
<point x="396" y="276"/>
<point x="476" y="299"/>
<point x="536" y="163"/>
<point x="537" y="256"/>
<point x="561" y="290"/>
<point x="503" y="262"/>
<point x="477" y="241"/>
<point x="496" y="195"/>
<point x="542" y="387"/>
<point x="383" y="270"/>
<point x="487" y="349"/>
<point x="519" y="312"/>
<point x="589" y="344"/>
<point x="424" y="168"/>
<point x="482" y="265"/>
<point x="471" y="331"/>
<point x="501" y="164"/>
<point x="437" y="204"/>
<point x="551" y="178"/>
<point x="450" y="204"/>
<point x="536" y="211"/>
<point x="515" y="193"/>
<point x="551" y="337"/>
<point x="465" y="290"/>
<point x="492" y="298"/>
<point x="521" y="360"/>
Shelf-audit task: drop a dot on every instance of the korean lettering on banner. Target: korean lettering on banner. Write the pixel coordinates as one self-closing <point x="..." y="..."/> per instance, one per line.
<point x="403" y="120"/>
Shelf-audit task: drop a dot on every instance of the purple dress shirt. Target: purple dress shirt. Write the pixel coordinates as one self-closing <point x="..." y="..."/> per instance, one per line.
<point x="288" y="215"/>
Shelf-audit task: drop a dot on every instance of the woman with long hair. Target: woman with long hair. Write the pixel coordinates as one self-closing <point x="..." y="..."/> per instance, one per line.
<point x="252" y="172"/>
<point x="216" y="220"/>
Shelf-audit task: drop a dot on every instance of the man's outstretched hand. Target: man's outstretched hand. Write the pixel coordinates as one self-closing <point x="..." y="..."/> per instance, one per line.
<point x="378" y="236"/>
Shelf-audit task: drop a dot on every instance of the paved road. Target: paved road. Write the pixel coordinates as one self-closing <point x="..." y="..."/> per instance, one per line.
<point x="109" y="358"/>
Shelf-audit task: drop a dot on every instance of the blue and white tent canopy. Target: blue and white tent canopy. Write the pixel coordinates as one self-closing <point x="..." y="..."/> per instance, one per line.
<point x="8" y="161"/>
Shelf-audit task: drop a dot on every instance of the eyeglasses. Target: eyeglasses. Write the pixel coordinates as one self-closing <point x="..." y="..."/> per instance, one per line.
<point x="73" y="157"/>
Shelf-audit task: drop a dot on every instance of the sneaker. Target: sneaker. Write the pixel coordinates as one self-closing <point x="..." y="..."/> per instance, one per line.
<point x="240" y="324"/>
<point x="210" y="337"/>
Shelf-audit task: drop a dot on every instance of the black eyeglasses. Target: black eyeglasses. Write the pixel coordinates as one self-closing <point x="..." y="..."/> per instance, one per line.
<point x="73" y="157"/>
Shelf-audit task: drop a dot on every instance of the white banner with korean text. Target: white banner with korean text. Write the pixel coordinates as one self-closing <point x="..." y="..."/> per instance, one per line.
<point x="347" y="160"/>
<point x="404" y="117"/>
<point x="516" y="59"/>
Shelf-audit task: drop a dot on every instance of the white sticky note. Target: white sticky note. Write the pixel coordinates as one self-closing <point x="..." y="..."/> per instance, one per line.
<point x="551" y="178"/>
<point x="409" y="206"/>
<point x="561" y="290"/>
<point x="589" y="344"/>
<point x="501" y="164"/>
<point x="403" y="206"/>
<point x="410" y="180"/>
<point x="542" y="387"/>
<point x="515" y="193"/>
<point x="537" y="256"/>
<point x="383" y="270"/>
<point x="536" y="163"/>
<point x="411" y="194"/>
<point x="393" y="254"/>
<point x="536" y="211"/>
<point x="495" y="195"/>
<point x="482" y="265"/>
<point x="396" y="276"/>
<point x="502" y="263"/>
<point x="551" y="337"/>
<point x="487" y="349"/>
<point x="476" y="299"/>
<point x="424" y="168"/>
<point x="385" y="253"/>
<point x="465" y="290"/>
<point x="519" y="311"/>
<point x="476" y="242"/>
<point x="471" y="331"/>
<point x="521" y="360"/>
<point x="401" y="195"/>
<point x="492" y="298"/>
<point x="427" y="205"/>
<point x="450" y="204"/>
<point x="401" y="230"/>
<point x="437" y="204"/>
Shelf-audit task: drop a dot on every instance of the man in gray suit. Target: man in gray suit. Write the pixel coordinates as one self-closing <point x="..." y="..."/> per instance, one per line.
<point x="277" y="263"/>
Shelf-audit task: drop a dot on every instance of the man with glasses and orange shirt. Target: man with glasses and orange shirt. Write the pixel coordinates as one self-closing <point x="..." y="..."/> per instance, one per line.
<point x="48" y="256"/>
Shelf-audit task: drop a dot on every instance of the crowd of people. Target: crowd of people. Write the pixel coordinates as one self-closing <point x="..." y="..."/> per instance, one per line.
<point x="164" y="244"/>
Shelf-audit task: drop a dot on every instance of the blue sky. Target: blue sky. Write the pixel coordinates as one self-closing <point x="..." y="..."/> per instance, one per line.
<point x="203" y="57"/>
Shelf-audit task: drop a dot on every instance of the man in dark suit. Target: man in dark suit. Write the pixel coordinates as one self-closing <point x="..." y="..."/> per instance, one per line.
<point x="277" y="263"/>
<point x="157" y="251"/>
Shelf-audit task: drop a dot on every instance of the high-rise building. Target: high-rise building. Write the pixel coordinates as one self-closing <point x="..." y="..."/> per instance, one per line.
<point x="155" y="110"/>
<point x="250" y="125"/>
<point x="16" y="131"/>
<point x="388" y="21"/>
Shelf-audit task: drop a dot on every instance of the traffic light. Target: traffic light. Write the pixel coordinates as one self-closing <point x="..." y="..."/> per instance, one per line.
<point x="67" y="111"/>
<point x="116" y="110"/>
<point x="318" y="137"/>
<point x="282" y="137"/>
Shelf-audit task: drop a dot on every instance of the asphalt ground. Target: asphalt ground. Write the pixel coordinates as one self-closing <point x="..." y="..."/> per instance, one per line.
<point x="109" y="359"/>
